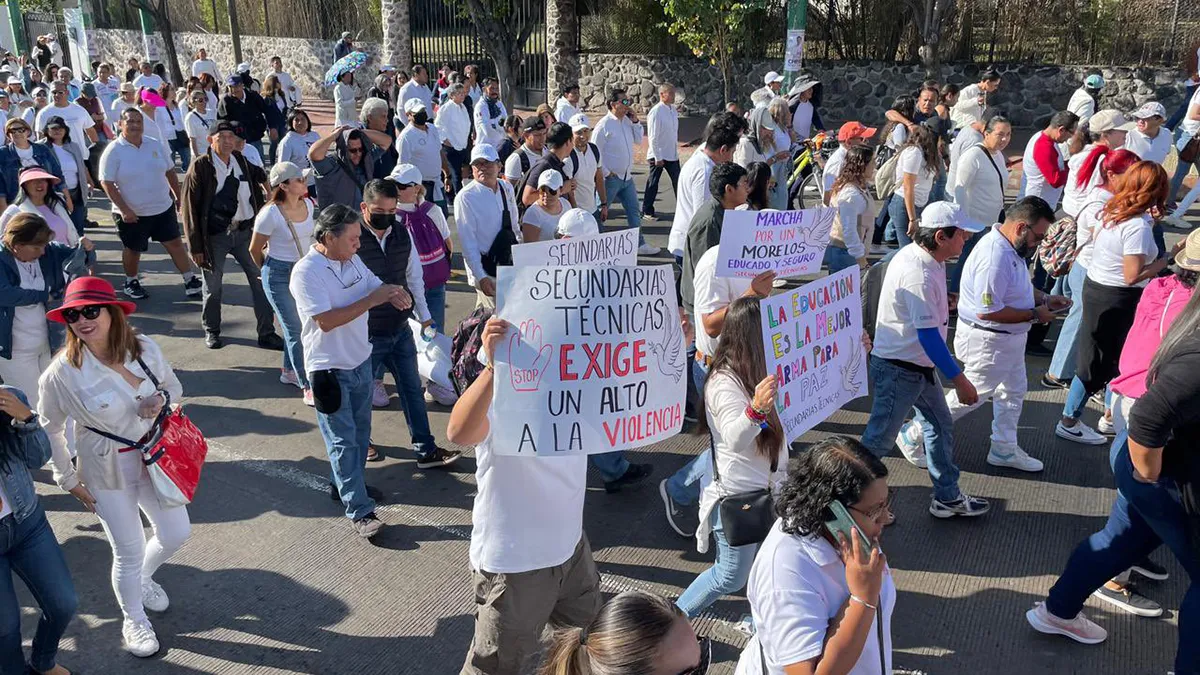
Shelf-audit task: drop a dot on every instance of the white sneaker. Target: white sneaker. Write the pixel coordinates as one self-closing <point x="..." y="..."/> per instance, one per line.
<point x="379" y="397"/>
<point x="649" y="249"/>
<point x="289" y="377"/>
<point x="880" y="249"/>
<point x="429" y="399"/>
<point x="1176" y="220"/>
<point x="1080" y="629"/>
<point x="308" y="398"/>
<point x="139" y="638"/>
<point x="1013" y="457"/>
<point x="154" y="598"/>
<point x="1080" y="433"/>
<point x="1105" y="426"/>
<point x="911" y="442"/>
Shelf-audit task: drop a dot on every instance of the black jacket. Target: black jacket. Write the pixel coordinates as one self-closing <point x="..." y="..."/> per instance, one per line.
<point x="251" y="113"/>
<point x="391" y="266"/>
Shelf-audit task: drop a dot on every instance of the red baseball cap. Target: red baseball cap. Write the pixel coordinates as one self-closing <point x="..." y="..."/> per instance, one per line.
<point x="855" y="130"/>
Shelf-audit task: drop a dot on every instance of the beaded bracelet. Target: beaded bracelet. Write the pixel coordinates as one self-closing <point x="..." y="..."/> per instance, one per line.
<point x="759" y="418"/>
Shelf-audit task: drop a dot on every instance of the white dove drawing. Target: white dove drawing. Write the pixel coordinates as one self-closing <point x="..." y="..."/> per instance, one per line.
<point x="669" y="351"/>
<point x="851" y="369"/>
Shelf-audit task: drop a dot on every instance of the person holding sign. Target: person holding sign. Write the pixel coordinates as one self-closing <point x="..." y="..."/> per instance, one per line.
<point x="855" y="216"/>
<point x="747" y="444"/>
<point x="910" y="342"/>
<point x="523" y="576"/>
<point x="996" y="308"/>
<point x="485" y="213"/>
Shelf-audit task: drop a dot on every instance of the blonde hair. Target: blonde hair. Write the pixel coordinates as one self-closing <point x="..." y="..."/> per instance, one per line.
<point x="623" y="639"/>
<point x="123" y="344"/>
<point x="27" y="229"/>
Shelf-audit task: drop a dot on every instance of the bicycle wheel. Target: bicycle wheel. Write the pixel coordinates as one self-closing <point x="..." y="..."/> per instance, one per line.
<point x="808" y="194"/>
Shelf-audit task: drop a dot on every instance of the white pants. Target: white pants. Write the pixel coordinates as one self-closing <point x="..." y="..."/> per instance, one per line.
<point x="23" y="370"/>
<point x="995" y="364"/>
<point x="135" y="559"/>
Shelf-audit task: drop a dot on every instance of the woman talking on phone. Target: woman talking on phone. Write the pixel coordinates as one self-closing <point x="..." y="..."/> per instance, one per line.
<point x="822" y="604"/>
<point x="747" y="445"/>
<point x="107" y="378"/>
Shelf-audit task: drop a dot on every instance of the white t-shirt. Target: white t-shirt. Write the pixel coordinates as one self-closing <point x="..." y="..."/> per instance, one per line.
<point x="1150" y="149"/>
<point x="1191" y="127"/>
<point x="151" y="81"/>
<point x="1129" y="237"/>
<point x="833" y="166"/>
<point x="897" y="137"/>
<point x="967" y="109"/>
<point x="797" y="586"/>
<point x="851" y="203"/>
<point x="78" y="121"/>
<point x="712" y="294"/>
<point x="1082" y="104"/>
<point x="967" y="137"/>
<point x="913" y="161"/>
<point x="995" y="277"/>
<point x="25" y="156"/>
<point x="528" y="512"/>
<point x="691" y="193"/>
<point x="1035" y="184"/>
<point x="29" y="329"/>
<point x="979" y="183"/>
<point x="70" y="167"/>
<point x="802" y="119"/>
<point x="1087" y="224"/>
<point x="281" y="244"/>
<point x="913" y="297"/>
<point x="512" y="165"/>
<point x="318" y="285"/>
<point x="140" y="173"/>
<point x="422" y="149"/>
<point x="585" y="179"/>
<point x="546" y="223"/>
<point x="252" y="155"/>
<point x="1073" y="195"/>
<point x="198" y="127"/>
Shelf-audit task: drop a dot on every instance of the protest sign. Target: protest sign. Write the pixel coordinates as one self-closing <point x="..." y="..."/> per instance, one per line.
<point x="790" y="243"/>
<point x="594" y="361"/>
<point x="611" y="248"/>
<point x="813" y="341"/>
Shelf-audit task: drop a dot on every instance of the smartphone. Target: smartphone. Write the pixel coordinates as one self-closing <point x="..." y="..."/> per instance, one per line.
<point x="843" y="523"/>
<point x="1061" y="310"/>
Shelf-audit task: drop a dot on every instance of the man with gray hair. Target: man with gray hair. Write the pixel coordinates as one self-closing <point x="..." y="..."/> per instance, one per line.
<point x="374" y="117"/>
<point x="453" y="122"/>
<point x="662" y="125"/>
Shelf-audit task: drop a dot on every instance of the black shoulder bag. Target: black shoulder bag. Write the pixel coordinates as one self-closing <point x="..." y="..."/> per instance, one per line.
<point x="500" y="252"/>
<point x="746" y="517"/>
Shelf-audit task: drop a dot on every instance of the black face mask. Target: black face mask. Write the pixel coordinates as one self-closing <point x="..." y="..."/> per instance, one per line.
<point x="421" y="118"/>
<point x="382" y="221"/>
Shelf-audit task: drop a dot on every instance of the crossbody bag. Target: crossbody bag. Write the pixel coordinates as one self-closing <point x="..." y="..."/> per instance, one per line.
<point x="746" y="517"/>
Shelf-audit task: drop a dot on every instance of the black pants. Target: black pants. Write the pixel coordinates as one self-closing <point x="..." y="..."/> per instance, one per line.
<point x="457" y="160"/>
<point x="672" y="168"/>
<point x="1108" y="313"/>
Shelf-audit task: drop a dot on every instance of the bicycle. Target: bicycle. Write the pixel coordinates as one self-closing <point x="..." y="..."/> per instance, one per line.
<point x="805" y="183"/>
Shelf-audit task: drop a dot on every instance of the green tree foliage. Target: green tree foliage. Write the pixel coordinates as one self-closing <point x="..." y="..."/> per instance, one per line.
<point x="717" y="30"/>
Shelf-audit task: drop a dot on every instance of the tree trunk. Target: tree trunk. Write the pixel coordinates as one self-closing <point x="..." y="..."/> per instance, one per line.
<point x="506" y="72"/>
<point x="562" y="46"/>
<point x="168" y="34"/>
<point x="930" y="58"/>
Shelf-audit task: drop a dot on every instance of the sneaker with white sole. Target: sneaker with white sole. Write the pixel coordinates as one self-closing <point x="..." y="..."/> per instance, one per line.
<point x="965" y="505"/>
<point x="133" y="289"/>
<point x="911" y="442"/>
<point x="154" y="598"/>
<point x="379" y="397"/>
<point x="1105" y="426"/>
<point x="879" y="249"/>
<point x="308" y="398"/>
<point x="193" y="287"/>
<point x="1013" y="457"/>
<point x="1175" y="220"/>
<point x="649" y="249"/>
<point x="674" y="510"/>
<point x="1080" y="433"/>
<point x="139" y="638"/>
<point x="289" y="377"/>
<point x="1129" y="600"/>
<point x="429" y="399"/>
<point x="1080" y="629"/>
<point x="368" y="526"/>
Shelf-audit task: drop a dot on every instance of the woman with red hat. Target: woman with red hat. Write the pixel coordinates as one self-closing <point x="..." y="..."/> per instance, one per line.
<point x="39" y="196"/>
<point x="107" y="378"/>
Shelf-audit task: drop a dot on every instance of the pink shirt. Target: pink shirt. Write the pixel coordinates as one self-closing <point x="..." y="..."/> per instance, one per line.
<point x="1162" y="300"/>
<point x="58" y="225"/>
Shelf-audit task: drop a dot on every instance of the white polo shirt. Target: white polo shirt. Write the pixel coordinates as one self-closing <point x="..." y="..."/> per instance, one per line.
<point x="692" y="192"/>
<point x="585" y="178"/>
<point x="712" y="294"/>
<point x="140" y="172"/>
<point x="1150" y="149"/>
<point x="318" y="285"/>
<point x="797" y="587"/>
<point x="913" y="297"/>
<point x="422" y="149"/>
<point x="994" y="277"/>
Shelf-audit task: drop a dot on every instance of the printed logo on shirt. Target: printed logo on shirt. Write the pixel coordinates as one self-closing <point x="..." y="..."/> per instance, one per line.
<point x="987" y="299"/>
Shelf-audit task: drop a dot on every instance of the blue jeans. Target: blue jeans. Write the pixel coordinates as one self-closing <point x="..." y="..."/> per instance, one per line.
<point x="898" y="219"/>
<point x="275" y="276"/>
<point x="684" y="484"/>
<point x="31" y="551"/>
<point x="729" y="573"/>
<point x="79" y="213"/>
<point x="937" y="193"/>
<point x="619" y="188"/>
<point x="347" y="434"/>
<point x="897" y="391"/>
<point x="779" y="196"/>
<point x="611" y="465"/>
<point x="1160" y="507"/>
<point x="398" y="354"/>
<point x="436" y="299"/>
<point x="1062" y="365"/>
<point x="838" y="259"/>
<point x="1077" y="398"/>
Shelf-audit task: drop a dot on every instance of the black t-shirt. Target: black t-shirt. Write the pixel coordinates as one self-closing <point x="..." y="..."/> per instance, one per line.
<point x="939" y="126"/>
<point x="548" y="162"/>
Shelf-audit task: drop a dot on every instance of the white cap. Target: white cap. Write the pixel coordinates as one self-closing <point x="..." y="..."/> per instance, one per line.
<point x="14" y="80"/>
<point x="772" y="77"/>
<point x="484" y="151"/>
<point x="946" y="214"/>
<point x="387" y="68"/>
<point x="282" y="172"/>
<point x="551" y="179"/>
<point x="579" y="122"/>
<point x="1109" y="120"/>
<point x="577" y="223"/>
<point x="1150" y="109"/>
<point x="243" y="67"/>
<point x="414" y="105"/>
<point x="406" y="174"/>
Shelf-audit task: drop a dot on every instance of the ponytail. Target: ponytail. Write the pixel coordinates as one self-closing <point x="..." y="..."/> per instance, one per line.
<point x="567" y="654"/>
<point x="1088" y="168"/>
<point x="625" y="637"/>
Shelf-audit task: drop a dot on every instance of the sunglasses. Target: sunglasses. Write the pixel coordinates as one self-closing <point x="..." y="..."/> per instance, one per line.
<point x="354" y="151"/>
<point x="705" y="658"/>
<point x="19" y="130"/>
<point x="627" y="101"/>
<point x="90" y="313"/>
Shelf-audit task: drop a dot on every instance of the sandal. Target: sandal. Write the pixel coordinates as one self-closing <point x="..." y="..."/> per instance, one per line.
<point x="373" y="455"/>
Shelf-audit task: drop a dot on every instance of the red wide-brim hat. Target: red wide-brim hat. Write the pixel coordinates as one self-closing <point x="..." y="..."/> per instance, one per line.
<point x="86" y="291"/>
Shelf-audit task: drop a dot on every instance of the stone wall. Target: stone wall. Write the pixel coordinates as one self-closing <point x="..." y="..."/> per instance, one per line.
<point x="861" y="90"/>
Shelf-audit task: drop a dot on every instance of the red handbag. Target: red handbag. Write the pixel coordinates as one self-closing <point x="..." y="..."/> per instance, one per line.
<point x="173" y="451"/>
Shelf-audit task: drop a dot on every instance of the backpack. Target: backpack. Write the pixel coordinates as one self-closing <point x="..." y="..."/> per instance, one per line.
<point x="465" y="347"/>
<point x="1060" y="247"/>
<point x="431" y="248"/>
<point x="885" y="177"/>
<point x="872" y="288"/>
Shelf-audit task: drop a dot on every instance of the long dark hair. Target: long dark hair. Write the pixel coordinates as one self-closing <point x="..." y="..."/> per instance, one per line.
<point x="905" y="105"/>
<point x="760" y="185"/>
<point x="922" y="138"/>
<point x="740" y="355"/>
<point x="859" y="159"/>
<point x="838" y="468"/>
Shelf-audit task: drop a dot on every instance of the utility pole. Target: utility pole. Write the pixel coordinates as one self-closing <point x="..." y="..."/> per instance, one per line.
<point x="797" y="20"/>
<point x="147" y="23"/>
<point x="20" y="42"/>
<point x="234" y="31"/>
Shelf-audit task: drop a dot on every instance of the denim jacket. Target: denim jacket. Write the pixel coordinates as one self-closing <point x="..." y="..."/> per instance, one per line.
<point x="23" y="448"/>
<point x="10" y="166"/>
<point x="60" y="263"/>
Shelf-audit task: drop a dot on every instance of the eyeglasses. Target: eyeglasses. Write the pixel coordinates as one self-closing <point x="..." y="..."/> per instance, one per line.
<point x="705" y="658"/>
<point x="90" y="313"/>
<point x="358" y="276"/>
<point x="354" y="151"/>
<point x="877" y="513"/>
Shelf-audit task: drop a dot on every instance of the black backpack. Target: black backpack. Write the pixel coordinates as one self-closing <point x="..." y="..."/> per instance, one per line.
<point x="464" y="349"/>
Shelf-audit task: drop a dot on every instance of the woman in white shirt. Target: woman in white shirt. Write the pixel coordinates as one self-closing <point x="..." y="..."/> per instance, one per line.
<point x="105" y="379"/>
<point x="76" y="179"/>
<point x="283" y="229"/>
<point x="855" y="216"/>
<point x="782" y="117"/>
<point x="916" y="169"/>
<point x="343" y="101"/>
<point x="747" y="443"/>
<point x="541" y="218"/>
<point x="198" y="122"/>
<point x="296" y="142"/>
<point x="758" y="143"/>
<point x="1103" y="133"/>
<point x="820" y="603"/>
<point x="38" y="195"/>
<point x="170" y="122"/>
<point x="1124" y="259"/>
<point x="980" y="178"/>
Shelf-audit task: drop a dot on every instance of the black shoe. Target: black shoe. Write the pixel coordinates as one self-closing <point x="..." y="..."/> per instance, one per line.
<point x="1038" y="350"/>
<point x="1151" y="570"/>
<point x="371" y="492"/>
<point x="438" y="458"/>
<point x="1050" y="382"/>
<point x="133" y="289"/>
<point x="1129" y="600"/>
<point x="677" y="514"/>
<point x="271" y="341"/>
<point x="213" y="341"/>
<point x="193" y="287"/>
<point x="636" y="473"/>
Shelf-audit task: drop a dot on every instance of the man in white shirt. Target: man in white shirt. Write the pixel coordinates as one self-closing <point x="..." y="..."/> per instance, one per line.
<point x="1044" y="164"/>
<point x="523" y="576"/>
<point x="417" y="88"/>
<point x="139" y="178"/>
<point x="1083" y="99"/>
<point x="588" y="176"/>
<point x="968" y="136"/>
<point x="533" y="133"/>
<point x="290" y="90"/>
<point x="972" y="100"/>
<point x="849" y="135"/>
<point x="910" y="347"/>
<point x="489" y="115"/>
<point x="421" y="145"/>
<point x="1151" y="141"/>
<point x="568" y="104"/>
<point x="615" y="135"/>
<point x="79" y="121"/>
<point x="772" y="83"/>
<point x="453" y="123"/>
<point x="720" y="140"/>
<point x="126" y="98"/>
<point x="203" y="64"/>
<point x="147" y="79"/>
<point x="486" y="211"/>
<point x="107" y="85"/>
<point x="334" y="290"/>
<point x="997" y="306"/>
<point x="662" y="125"/>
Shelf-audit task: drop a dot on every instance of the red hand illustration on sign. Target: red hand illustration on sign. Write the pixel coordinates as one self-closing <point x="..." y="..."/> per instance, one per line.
<point x="528" y="357"/>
